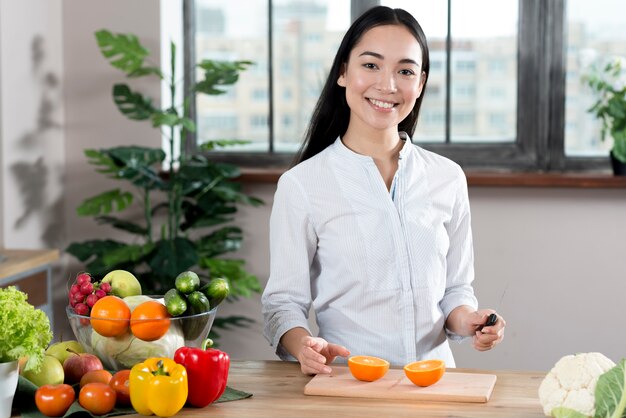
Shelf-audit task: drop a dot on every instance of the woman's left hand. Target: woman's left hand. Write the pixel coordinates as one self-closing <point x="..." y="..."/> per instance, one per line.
<point x="486" y="337"/>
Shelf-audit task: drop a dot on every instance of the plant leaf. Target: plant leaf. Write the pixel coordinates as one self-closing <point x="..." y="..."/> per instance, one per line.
<point x="83" y="251"/>
<point x="229" y="192"/>
<point x="241" y="282"/>
<point x="134" y="164"/>
<point x="611" y="392"/>
<point x="133" y="105"/>
<point x="122" y="224"/>
<point x="129" y="253"/>
<point x="220" y="241"/>
<point x="165" y="118"/>
<point x="123" y="51"/>
<point x="170" y="258"/>
<point x="146" y="71"/>
<point x="219" y="73"/>
<point x="101" y="159"/>
<point x="105" y="202"/>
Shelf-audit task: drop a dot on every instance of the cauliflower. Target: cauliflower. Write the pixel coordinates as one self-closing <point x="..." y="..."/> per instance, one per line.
<point x="572" y="383"/>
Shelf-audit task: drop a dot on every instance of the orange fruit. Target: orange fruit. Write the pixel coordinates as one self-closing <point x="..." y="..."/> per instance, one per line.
<point x="367" y="368"/>
<point x="110" y="316"/>
<point x="150" y="321"/>
<point x="93" y="376"/>
<point x="425" y="372"/>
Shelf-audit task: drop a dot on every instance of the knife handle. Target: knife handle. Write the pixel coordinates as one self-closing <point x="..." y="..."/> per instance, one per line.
<point x="491" y="320"/>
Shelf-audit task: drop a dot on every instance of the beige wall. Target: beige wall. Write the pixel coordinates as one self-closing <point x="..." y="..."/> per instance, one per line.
<point x="560" y="250"/>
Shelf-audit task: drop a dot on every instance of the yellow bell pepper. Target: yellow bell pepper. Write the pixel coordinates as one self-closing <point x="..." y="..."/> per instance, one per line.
<point x="158" y="386"/>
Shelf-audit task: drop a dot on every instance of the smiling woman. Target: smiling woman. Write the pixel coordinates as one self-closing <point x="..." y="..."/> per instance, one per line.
<point x="377" y="229"/>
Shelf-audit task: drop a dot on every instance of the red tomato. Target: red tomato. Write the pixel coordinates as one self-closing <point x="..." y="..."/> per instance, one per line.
<point x="54" y="400"/>
<point x="97" y="398"/>
<point x="120" y="384"/>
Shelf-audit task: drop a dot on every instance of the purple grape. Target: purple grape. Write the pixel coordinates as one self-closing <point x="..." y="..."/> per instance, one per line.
<point x="106" y="287"/>
<point x="81" y="309"/>
<point x="72" y="302"/>
<point x="100" y="293"/>
<point x="78" y="297"/>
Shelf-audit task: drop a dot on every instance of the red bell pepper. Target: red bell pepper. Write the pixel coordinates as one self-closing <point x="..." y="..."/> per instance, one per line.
<point x="207" y="372"/>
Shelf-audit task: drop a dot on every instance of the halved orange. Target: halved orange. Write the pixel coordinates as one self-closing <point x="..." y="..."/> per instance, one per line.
<point x="367" y="368"/>
<point x="425" y="372"/>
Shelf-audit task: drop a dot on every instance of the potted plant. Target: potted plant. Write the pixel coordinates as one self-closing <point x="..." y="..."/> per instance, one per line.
<point x="25" y="333"/>
<point x="609" y="85"/>
<point x="187" y="209"/>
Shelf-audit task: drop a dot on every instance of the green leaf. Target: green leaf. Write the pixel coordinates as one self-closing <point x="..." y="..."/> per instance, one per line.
<point x="146" y="71"/>
<point x="173" y="257"/>
<point x="229" y="193"/>
<point x="134" y="164"/>
<point x="241" y="282"/>
<point x="129" y="253"/>
<point x="218" y="74"/>
<point x="165" y="118"/>
<point x="562" y="412"/>
<point x="133" y="105"/>
<point x="105" y="202"/>
<point x="611" y="392"/>
<point x="122" y="224"/>
<point x="220" y="241"/>
<point x="188" y="124"/>
<point x="124" y="52"/>
<point x="87" y="250"/>
<point x="101" y="159"/>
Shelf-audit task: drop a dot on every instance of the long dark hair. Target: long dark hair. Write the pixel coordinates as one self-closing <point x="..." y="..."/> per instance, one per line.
<point x="331" y="114"/>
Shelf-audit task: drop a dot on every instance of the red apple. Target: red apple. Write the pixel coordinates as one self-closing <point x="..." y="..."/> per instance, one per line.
<point x="76" y="365"/>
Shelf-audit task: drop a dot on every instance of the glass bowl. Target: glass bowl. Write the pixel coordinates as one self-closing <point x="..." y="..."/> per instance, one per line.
<point x="126" y="350"/>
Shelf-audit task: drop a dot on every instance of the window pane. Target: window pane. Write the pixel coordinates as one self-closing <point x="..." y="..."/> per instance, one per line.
<point x="484" y="71"/>
<point x="228" y="31"/>
<point x="306" y="36"/>
<point x="483" y="102"/>
<point x="432" y="17"/>
<point x="595" y="33"/>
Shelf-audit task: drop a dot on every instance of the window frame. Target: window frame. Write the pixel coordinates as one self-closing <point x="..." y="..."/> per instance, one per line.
<point x="541" y="69"/>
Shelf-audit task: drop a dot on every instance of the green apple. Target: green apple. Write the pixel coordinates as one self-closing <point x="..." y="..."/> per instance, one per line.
<point x="51" y="372"/>
<point x="59" y="350"/>
<point x="123" y="283"/>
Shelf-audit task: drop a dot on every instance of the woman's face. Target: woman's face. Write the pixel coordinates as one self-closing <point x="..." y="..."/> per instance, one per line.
<point x="383" y="78"/>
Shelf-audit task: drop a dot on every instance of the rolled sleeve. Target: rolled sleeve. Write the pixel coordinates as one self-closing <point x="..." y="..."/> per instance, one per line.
<point x="286" y="299"/>
<point x="460" y="257"/>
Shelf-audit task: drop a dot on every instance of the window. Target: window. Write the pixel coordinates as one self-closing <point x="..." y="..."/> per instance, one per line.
<point x="594" y="33"/>
<point x="504" y="88"/>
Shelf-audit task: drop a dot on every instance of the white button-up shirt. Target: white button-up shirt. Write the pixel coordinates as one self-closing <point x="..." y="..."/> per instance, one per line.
<point x="381" y="273"/>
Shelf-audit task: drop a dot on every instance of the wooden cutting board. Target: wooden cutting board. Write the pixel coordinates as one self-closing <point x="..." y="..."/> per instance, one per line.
<point x="452" y="387"/>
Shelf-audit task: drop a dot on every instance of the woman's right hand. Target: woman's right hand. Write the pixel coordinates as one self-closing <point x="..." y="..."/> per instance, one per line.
<point x="316" y="353"/>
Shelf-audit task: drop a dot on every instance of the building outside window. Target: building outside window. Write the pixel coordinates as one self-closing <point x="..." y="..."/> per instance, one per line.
<point x="498" y="95"/>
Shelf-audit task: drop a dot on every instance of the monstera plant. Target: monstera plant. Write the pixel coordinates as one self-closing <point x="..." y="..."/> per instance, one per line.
<point x="188" y="208"/>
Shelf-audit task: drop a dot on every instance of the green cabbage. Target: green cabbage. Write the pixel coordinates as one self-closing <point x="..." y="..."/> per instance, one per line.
<point x="125" y="351"/>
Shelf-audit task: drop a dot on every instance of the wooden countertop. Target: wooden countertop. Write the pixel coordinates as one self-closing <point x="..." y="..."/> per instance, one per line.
<point x="14" y="262"/>
<point x="278" y="391"/>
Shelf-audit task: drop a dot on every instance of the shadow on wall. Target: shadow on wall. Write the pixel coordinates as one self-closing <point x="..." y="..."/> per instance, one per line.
<point x="33" y="177"/>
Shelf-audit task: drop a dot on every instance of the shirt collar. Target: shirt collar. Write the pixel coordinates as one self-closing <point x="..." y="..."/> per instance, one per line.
<point x="348" y="153"/>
